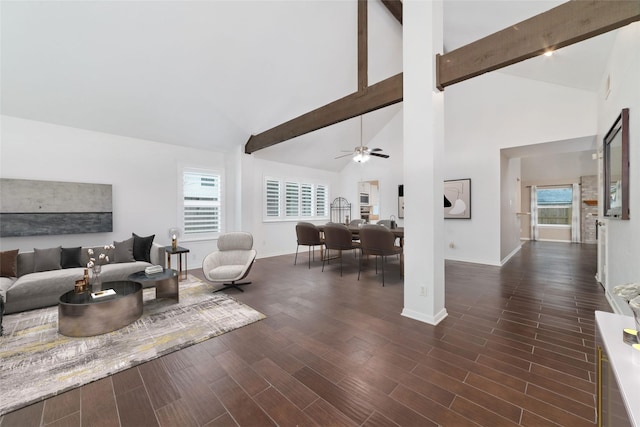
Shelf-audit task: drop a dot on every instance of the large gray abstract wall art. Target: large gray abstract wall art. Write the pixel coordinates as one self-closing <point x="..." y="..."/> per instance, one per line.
<point x="36" y="208"/>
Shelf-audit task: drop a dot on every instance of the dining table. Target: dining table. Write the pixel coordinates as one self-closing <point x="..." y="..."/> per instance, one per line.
<point x="398" y="232"/>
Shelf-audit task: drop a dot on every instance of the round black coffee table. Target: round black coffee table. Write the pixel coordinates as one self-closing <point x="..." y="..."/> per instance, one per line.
<point x="81" y="315"/>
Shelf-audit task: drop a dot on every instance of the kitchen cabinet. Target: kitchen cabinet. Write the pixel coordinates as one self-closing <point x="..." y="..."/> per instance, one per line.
<point x="618" y="372"/>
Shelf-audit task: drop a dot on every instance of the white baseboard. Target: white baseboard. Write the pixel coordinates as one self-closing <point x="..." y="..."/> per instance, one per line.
<point x="508" y="257"/>
<point x="431" y="320"/>
<point x="473" y="261"/>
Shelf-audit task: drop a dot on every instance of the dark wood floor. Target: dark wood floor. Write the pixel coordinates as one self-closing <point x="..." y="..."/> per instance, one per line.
<point x="516" y="349"/>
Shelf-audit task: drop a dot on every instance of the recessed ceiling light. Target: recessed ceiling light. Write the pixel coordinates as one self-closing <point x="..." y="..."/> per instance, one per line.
<point x="548" y="53"/>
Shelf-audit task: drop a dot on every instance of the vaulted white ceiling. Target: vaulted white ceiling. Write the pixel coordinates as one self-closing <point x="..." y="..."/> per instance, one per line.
<point x="209" y="74"/>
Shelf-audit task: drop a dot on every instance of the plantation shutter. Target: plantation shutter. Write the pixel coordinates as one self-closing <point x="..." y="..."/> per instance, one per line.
<point x="292" y="199"/>
<point x="321" y="200"/>
<point x="202" y="201"/>
<point x="306" y="199"/>
<point x="272" y="198"/>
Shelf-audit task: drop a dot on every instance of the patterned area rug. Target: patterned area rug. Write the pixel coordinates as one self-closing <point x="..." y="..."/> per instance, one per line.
<point x="38" y="362"/>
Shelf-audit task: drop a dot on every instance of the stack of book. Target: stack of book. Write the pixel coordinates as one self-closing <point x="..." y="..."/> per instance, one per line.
<point x="153" y="269"/>
<point x="102" y="294"/>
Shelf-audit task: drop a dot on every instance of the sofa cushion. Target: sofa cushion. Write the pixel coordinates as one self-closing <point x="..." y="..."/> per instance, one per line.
<point x="123" y="251"/>
<point x="9" y="263"/>
<point x="142" y="247"/>
<point x="225" y="273"/>
<point x="5" y="284"/>
<point x="70" y="257"/>
<point x="40" y="289"/>
<point x="47" y="259"/>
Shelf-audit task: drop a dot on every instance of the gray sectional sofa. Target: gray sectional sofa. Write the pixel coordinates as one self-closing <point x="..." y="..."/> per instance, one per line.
<point x="30" y="290"/>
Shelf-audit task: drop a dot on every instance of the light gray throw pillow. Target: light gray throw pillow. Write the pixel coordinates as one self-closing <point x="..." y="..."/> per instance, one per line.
<point x="47" y="259"/>
<point x="123" y="251"/>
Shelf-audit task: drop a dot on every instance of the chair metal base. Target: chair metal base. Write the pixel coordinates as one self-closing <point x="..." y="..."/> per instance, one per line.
<point x="232" y="285"/>
<point x="312" y="248"/>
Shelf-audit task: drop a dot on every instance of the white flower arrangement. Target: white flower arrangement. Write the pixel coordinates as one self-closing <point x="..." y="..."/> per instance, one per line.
<point x="103" y="258"/>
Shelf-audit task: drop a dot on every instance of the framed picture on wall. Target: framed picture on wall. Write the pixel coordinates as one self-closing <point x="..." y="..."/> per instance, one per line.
<point x="457" y="199"/>
<point x="401" y="201"/>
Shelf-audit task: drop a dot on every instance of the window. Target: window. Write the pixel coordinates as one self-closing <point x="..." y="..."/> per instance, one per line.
<point x="306" y="200"/>
<point x="322" y="199"/>
<point x="292" y="200"/>
<point x="554" y="205"/>
<point x="272" y="198"/>
<point x="202" y="203"/>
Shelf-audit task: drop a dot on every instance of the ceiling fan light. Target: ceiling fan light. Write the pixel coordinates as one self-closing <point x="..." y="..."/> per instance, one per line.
<point x="361" y="157"/>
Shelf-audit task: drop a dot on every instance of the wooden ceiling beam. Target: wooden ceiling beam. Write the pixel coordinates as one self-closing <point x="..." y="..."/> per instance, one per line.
<point x="395" y="7"/>
<point x="364" y="100"/>
<point x="379" y="95"/>
<point x="561" y="26"/>
<point x="363" y="46"/>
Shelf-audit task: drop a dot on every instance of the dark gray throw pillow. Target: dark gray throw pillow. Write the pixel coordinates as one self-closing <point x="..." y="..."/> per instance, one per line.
<point x="47" y="259"/>
<point x="123" y="251"/>
<point x="142" y="247"/>
<point x="70" y="257"/>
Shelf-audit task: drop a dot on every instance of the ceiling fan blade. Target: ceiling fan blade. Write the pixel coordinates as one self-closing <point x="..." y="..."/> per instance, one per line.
<point x="376" y="149"/>
<point x="384" y="156"/>
<point x="344" y="155"/>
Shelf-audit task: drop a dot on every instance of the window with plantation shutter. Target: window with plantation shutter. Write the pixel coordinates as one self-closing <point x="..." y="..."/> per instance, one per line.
<point x="292" y="199"/>
<point x="287" y="199"/>
<point x="202" y="202"/>
<point x="321" y="200"/>
<point x="272" y="198"/>
<point x="306" y="200"/>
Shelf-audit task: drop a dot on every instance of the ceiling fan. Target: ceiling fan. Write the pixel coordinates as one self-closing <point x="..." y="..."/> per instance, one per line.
<point x="362" y="153"/>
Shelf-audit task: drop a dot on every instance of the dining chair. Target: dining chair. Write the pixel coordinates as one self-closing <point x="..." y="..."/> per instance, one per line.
<point x="308" y="235"/>
<point x="378" y="241"/>
<point x="337" y="237"/>
<point x="386" y="223"/>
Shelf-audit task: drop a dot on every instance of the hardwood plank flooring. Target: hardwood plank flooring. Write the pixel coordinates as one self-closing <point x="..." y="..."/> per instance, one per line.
<point x="516" y="349"/>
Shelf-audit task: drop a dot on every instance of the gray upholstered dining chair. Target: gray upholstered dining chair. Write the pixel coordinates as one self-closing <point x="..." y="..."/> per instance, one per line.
<point x="232" y="261"/>
<point x="356" y="222"/>
<point x="378" y="241"/>
<point x="308" y="235"/>
<point x="384" y="222"/>
<point x="338" y="237"/>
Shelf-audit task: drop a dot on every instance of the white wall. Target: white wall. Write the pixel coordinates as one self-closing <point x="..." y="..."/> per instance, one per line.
<point x="388" y="172"/>
<point x="144" y="176"/>
<point x="509" y="208"/>
<point x="566" y="167"/>
<point x="484" y="115"/>
<point x="622" y="236"/>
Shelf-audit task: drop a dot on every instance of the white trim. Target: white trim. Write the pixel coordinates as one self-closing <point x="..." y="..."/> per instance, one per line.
<point x="473" y="261"/>
<point x="432" y="320"/>
<point x="508" y="257"/>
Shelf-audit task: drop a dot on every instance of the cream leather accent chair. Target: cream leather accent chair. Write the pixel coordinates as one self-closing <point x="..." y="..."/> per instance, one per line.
<point x="231" y="262"/>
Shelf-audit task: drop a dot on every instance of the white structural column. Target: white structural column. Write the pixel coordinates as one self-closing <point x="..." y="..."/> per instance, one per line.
<point x="423" y="107"/>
